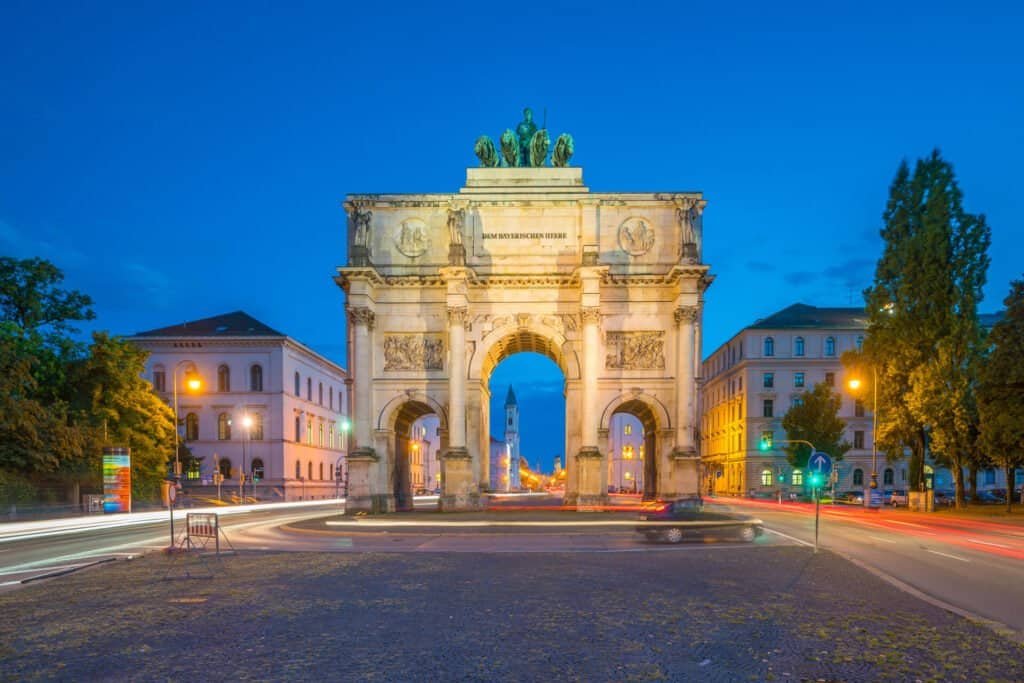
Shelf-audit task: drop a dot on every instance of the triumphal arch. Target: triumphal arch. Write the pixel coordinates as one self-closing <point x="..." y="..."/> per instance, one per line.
<point x="442" y="287"/>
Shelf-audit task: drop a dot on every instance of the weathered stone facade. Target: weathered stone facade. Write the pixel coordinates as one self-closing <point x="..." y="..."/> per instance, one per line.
<point x="443" y="287"/>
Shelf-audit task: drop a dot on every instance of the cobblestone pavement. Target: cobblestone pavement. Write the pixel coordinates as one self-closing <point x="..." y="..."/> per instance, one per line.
<point x="717" y="612"/>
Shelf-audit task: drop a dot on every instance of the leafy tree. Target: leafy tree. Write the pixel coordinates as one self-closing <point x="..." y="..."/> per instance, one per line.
<point x="922" y="313"/>
<point x="1001" y="393"/>
<point x="31" y="298"/>
<point x="815" y="419"/>
<point x="121" y="409"/>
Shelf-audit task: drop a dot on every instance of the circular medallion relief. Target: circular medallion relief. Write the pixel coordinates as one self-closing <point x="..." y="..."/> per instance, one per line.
<point x="636" y="236"/>
<point x="411" y="237"/>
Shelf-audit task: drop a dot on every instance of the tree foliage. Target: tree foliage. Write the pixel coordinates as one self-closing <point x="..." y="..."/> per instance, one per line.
<point x="1001" y="390"/>
<point x="923" y="333"/>
<point x="60" y="401"/>
<point x="815" y="419"/>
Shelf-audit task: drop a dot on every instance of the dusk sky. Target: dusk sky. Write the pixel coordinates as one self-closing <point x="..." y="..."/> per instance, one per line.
<point x="182" y="161"/>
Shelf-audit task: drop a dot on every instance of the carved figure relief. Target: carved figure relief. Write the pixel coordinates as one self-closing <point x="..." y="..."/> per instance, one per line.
<point x="456" y="220"/>
<point x="361" y="223"/>
<point x="636" y="236"/>
<point x="413" y="352"/>
<point x="411" y="237"/>
<point x="635" y="350"/>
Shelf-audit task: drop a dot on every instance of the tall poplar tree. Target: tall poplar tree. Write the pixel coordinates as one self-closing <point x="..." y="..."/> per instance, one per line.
<point x="924" y="338"/>
<point x="1001" y="392"/>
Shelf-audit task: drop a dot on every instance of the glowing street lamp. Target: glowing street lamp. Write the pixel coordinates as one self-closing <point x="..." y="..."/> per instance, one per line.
<point x="193" y="384"/>
<point x="246" y="425"/>
<point x="855" y="385"/>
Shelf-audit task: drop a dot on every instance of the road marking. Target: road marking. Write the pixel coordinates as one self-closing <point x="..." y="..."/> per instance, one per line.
<point x="997" y="545"/>
<point x="922" y="526"/>
<point x="792" y="538"/>
<point x="879" y="538"/>
<point x="955" y="557"/>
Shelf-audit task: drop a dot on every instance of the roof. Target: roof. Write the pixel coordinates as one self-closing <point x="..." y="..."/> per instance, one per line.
<point x="510" y="400"/>
<point x="236" y="324"/>
<point x="804" y="316"/>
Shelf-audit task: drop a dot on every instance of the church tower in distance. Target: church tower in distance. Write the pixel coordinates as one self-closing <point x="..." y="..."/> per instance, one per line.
<point x="512" y="438"/>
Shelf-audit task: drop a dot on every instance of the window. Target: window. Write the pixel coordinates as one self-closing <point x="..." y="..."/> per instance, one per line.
<point x="298" y="429"/>
<point x="767" y="439"/>
<point x="256" y="431"/>
<point x="159" y="379"/>
<point x="224" y="466"/>
<point x="297" y="385"/>
<point x="223" y="378"/>
<point x="320" y="442"/>
<point x="257" y="469"/>
<point x="858" y="477"/>
<point x="888" y="476"/>
<point x="769" y="346"/>
<point x="321" y="471"/>
<point x="509" y="420"/>
<point x="298" y="469"/>
<point x="766" y="477"/>
<point x="858" y="408"/>
<point x="798" y="380"/>
<point x="798" y="346"/>
<point x="627" y="452"/>
<point x="330" y="435"/>
<point x="309" y="471"/>
<point x="830" y="346"/>
<point x="223" y="427"/>
<point x="192" y="473"/>
<point x="330" y="397"/>
<point x="309" y="434"/>
<point x="769" y="380"/>
<point x="256" y="378"/>
<point x="858" y="439"/>
<point x="860" y="343"/>
<point x="191" y="427"/>
<point x="797" y="401"/>
<point x="798" y="478"/>
<point x="990" y="477"/>
<point x="627" y="429"/>
<point x="830" y="379"/>
<point x="309" y="388"/>
<point x="768" y="408"/>
<point x="320" y="389"/>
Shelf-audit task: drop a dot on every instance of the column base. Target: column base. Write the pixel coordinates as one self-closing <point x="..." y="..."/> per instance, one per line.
<point x="683" y="478"/>
<point x="372" y="504"/>
<point x="459" y="491"/>
<point x="590" y="494"/>
<point x="360" y="497"/>
<point x="456" y="255"/>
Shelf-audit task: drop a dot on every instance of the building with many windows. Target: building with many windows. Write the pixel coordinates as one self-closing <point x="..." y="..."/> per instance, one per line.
<point x="253" y="405"/>
<point x="626" y="454"/>
<point x="425" y="455"/>
<point x="752" y="380"/>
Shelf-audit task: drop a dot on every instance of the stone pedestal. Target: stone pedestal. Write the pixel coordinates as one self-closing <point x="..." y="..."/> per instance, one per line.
<point x="456" y="255"/>
<point x="682" y="477"/>
<point x="360" y="497"/>
<point x="590" y="491"/>
<point x="459" y="490"/>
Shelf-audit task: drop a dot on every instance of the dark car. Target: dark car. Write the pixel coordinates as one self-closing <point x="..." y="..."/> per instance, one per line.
<point x="677" y="520"/>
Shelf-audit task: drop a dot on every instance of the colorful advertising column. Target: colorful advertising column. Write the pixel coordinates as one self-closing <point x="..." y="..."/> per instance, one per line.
<point x="117" y="479"/>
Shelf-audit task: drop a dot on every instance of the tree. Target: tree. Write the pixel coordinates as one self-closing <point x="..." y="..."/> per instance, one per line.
<point x="815" y="419"/>
<point x="1001" y="391"/>
<point x="922" y="313"/>
<point x="121" y="409"/>
<point x="30" y="297"/>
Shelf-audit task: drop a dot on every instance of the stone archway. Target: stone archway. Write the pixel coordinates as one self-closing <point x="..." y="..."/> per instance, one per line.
<point x="655" y="421"/>
<point x="442" y="287"/>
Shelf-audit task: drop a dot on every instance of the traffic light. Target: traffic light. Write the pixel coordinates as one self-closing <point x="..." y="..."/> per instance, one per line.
<point x="765" y="445"/>
<point x="816" y="479"/>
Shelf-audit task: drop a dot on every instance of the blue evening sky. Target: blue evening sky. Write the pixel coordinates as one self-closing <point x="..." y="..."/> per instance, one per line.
<point x="180" y="160"/>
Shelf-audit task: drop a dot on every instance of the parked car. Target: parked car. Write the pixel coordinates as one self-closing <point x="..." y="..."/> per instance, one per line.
<point x="855" y="497"/>
<point x="898" y="497"/>
<point x="943" y="497"/>
<point x="678" y="520"/>
<point x="988" y="498"/>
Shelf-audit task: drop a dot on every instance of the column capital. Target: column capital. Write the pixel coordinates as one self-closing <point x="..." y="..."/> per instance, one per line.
<point x="361" y="315"/>
<point x="686" y="314"/>
<point x="590" y="314"/>
<point x="458" y="315"/>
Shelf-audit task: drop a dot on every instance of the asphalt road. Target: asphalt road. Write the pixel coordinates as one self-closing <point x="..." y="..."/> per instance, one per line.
<point x="973" y="565"/>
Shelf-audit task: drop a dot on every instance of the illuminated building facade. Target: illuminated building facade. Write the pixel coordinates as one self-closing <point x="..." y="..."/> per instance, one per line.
<point x="626" y="454"/>
<point x="294" y="400"/>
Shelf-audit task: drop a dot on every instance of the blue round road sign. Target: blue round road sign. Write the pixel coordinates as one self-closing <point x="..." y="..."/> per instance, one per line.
<point x="820" y="463"/>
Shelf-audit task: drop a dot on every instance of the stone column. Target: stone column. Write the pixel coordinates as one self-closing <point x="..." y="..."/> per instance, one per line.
<point x="590" y="487"/>
<point x="685" y="318"/>
<point x="459" y="487"/>
<point x="361" y="494"/>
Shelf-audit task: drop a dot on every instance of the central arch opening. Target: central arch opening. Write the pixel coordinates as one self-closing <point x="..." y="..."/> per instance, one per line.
<point x="641" y="448"/>
<point x="523" y="411"/>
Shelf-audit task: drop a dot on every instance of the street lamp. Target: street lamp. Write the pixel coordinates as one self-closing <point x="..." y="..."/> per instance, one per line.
<point x="855" y="385"/>
<point x="192" y="383"/>
<point x="246" y="424"/>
